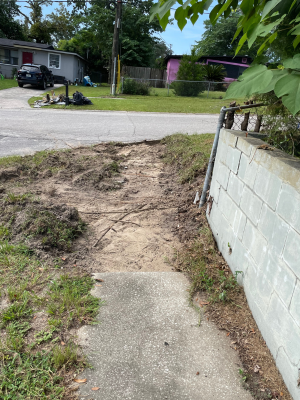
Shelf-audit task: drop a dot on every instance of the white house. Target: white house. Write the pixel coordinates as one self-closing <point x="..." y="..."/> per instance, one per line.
<point x="14" y="53"/>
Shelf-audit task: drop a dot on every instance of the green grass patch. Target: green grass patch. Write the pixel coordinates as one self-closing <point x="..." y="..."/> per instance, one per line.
<point x="12" y="198"/>
<point x="200" y="259"/>
<point x="31" y="288"/>
<point x="204" y="265"/>
<point x="8" y="83"/>
<point x="189" y="153"/>
<point x="11" y="160"/>
<point x="158" y="101"/>
<point x="29" y="376"/>
<point x="70" y="300"/>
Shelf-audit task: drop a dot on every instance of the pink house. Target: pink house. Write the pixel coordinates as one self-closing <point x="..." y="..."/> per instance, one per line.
<point x="234" y="66"/>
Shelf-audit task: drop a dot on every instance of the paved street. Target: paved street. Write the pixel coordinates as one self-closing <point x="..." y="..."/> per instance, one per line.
<point x="24" y="130"/>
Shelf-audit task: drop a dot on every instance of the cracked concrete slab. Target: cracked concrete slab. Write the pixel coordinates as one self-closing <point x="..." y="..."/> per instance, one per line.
<point x="148" y="344"/>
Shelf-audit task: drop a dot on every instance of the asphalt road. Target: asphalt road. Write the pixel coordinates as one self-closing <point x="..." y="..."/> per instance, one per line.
<point x="24" y="130"/>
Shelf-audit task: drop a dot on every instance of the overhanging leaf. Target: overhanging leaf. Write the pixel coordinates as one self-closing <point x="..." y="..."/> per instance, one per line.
<point x="181" y="17"/>
<point x="270" y="39"/>
<point x="214" y="12"/>
<point x="224" y="8"/>
<point x="263" y="29"/>
<point x="277" y="74"/>
<point x="164" y="20"/>
<point x="251" y="81"/>
<point x="270" y="5"/>
<point x="164" y="8"/>
<point x="241" y="42"/>
<point x="296" y="41"/>
<point x="246" y="5"/>
<point x="295" y="30"/>
<point x="288" y="88"/>
<point x="293" y="63"/>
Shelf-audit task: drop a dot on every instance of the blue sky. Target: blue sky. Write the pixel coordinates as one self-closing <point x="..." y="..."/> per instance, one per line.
<point x="181" y="41"/>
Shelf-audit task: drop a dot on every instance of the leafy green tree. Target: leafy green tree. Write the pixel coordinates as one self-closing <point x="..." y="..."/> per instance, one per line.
<point x="9" y="27"/>
<point x="64" y="24"/>
<point x="189" y="70"/>
<point x="139" y="45"/>
<point x="266" y="20"/>
<point x="217" y="39"/>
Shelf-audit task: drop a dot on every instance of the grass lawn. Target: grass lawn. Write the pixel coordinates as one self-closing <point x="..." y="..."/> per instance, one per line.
<point x="8" y="83"/>
<point x="158" y="101"/>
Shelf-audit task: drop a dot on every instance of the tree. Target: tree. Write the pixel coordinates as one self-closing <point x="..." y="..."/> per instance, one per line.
<point x="9" y="27"/>
<point x="64" y="24"/>
<point x="138" y="44"/>
<point x="266" y="20"/>
<point x="217" y="39"/>
<point x="189" y="70"/>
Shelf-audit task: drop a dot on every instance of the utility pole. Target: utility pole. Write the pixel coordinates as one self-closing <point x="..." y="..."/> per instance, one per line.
<point x="115" y="48"/>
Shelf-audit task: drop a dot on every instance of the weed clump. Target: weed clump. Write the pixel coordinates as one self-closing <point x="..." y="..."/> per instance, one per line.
<point x="53" y="230"/>
<point x="29" y="376"/>
<point x="206" y="268"/>
<point x="189" y="153"/>
<point x="70" y="300"/>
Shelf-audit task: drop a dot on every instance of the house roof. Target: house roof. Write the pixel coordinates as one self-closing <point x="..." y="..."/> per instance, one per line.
<point x="33" y="46"/>
<point x="234" y="59"/>
<point x="13" y="43"/>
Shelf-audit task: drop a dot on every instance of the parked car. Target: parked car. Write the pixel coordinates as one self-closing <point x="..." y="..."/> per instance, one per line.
<point x="34" y="74"/>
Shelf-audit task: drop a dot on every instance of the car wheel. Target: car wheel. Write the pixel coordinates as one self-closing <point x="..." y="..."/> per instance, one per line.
<point x="52" y="83"/>
<point x="44" y="85"/>
<point x="20" y="84"/>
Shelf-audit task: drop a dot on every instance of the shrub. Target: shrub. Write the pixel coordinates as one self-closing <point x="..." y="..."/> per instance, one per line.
<point x="214" y="73"/>
<point x="189" y="70"/>
<point x="280" y="126"/>
<point x="131" y="86"/>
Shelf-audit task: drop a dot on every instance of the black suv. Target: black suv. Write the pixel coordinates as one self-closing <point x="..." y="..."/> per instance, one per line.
<point x="34" y="74"/>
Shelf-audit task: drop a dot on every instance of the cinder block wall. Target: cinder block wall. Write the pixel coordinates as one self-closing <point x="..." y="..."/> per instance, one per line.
<point x="256" y="213"/>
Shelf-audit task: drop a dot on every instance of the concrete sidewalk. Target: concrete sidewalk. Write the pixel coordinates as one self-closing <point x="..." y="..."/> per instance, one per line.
<point x="148" y="344"/>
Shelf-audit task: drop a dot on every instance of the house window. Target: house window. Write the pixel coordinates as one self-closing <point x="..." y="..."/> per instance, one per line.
<point x="14" y="57"/>
<point x="8" y="56"/>
<point x="54" y="61"/>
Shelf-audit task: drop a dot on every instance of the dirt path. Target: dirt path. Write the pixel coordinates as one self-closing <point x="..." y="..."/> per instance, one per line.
<point x="137" y="216"/>
<point x="130" y="228"/>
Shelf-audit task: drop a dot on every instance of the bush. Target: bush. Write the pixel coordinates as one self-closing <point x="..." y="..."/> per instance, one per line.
<point x="189" y="70"/>
<point x="131" y="86"/>
<point x="188" y="89"/>
<point x="280" y="126"/>
<point x="214" y="73"/>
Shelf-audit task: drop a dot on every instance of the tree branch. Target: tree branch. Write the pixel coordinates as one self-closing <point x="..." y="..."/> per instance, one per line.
<point x="26" y="17"/>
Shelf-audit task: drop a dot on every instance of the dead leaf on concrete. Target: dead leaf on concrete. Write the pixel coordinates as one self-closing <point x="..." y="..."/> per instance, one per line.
<point x="99" y="280"/>
<point x="80" y="380"/>
<point x="95" y="388"/>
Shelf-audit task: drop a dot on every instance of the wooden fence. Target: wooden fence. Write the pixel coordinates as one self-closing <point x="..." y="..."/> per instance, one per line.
<point x="158" y="77"/>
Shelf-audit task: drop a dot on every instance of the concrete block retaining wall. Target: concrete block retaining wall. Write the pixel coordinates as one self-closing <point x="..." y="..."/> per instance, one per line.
<point x="256" y="213"/>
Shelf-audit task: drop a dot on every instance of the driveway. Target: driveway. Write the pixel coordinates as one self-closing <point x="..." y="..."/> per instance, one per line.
<point x="25" y="130"/>
<point x="17" y="98"/>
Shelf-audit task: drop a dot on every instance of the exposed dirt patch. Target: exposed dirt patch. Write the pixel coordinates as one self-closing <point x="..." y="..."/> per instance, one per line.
<point x="128" y="212"/>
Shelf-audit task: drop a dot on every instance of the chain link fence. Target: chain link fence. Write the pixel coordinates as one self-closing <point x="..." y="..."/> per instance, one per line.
<point x="160" y="87"/>
<point x="250" y="119"/>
